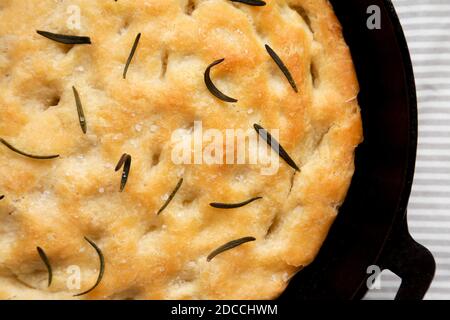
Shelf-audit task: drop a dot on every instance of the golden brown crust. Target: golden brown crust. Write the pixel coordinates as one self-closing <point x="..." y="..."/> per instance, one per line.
<point x="54" y="204"/>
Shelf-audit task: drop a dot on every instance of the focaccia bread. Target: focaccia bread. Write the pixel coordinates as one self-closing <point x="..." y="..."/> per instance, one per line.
<point x="59" y="203"/>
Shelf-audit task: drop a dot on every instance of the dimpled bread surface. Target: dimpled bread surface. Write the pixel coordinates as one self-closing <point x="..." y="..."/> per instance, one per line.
<point x="55" y="203"/>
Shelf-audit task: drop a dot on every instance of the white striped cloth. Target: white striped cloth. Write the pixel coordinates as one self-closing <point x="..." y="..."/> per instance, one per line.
<point x="427" y="28"/>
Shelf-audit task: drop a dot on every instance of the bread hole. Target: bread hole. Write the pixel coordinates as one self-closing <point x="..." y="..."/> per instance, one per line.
<point x="53" y="101"/>
<point x="190" y="7"/>
<point x="124" y="27"/>
<point x="258" y="28"/>
<point x="304" y="15"/>
<point x="153" y="226"/>
<point x="46" y="95"/>
<point x="32" y="275"/>
<point x="273" y="227"/>
<point x="152" y="232"/>
<point x="292" y="182"/>
<point x="164" y="62"/>
<point x="186" y="277"/>
<point x="261" y="34"/>
<point x="187" y="201"/>
<point x="322" y="137"/>
<point x="128" y="294"/>
<point x="156" y="158"/>
<point x="23" y="282"/>
<point x="66" y="48"/>
<point x="189" y="273"/>
<point x="315" y="79"/>
<point x="189" y="127"/>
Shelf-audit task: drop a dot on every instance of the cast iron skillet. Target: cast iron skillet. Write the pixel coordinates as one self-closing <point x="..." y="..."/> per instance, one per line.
<point x="371" y="228"/>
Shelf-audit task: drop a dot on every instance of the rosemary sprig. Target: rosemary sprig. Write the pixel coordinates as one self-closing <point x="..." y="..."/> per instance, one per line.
<point x="228" y="246"/>
<point x="172" y="195"/>
<point x="125" y="162"/>
<point x="130" y="57"/>
<point x="80" y="111"/>
<point x="212" y="88"/>
<point x="65" y="39"/>
<point x="102" y="267"/>
<point x="282" y="67"/>
<point x="46" y="261"/>
<point x="32" y="156"/>
<point x="258" y="3"/>
<point x="233" y="205"/>
<point x="272" y="142"/>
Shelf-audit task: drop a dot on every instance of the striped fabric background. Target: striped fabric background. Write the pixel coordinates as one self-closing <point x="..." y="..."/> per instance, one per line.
<point x="427" y="28"/>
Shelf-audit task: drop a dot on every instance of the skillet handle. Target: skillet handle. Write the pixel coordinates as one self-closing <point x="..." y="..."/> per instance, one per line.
<point x="409" y="260"/>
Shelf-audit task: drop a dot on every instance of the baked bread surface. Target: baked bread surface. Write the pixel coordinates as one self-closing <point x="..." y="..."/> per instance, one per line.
<point x="55" y="203"/>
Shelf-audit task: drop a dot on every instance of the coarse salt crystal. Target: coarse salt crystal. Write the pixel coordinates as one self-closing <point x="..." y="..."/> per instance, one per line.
<point x="138" y="127"/>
